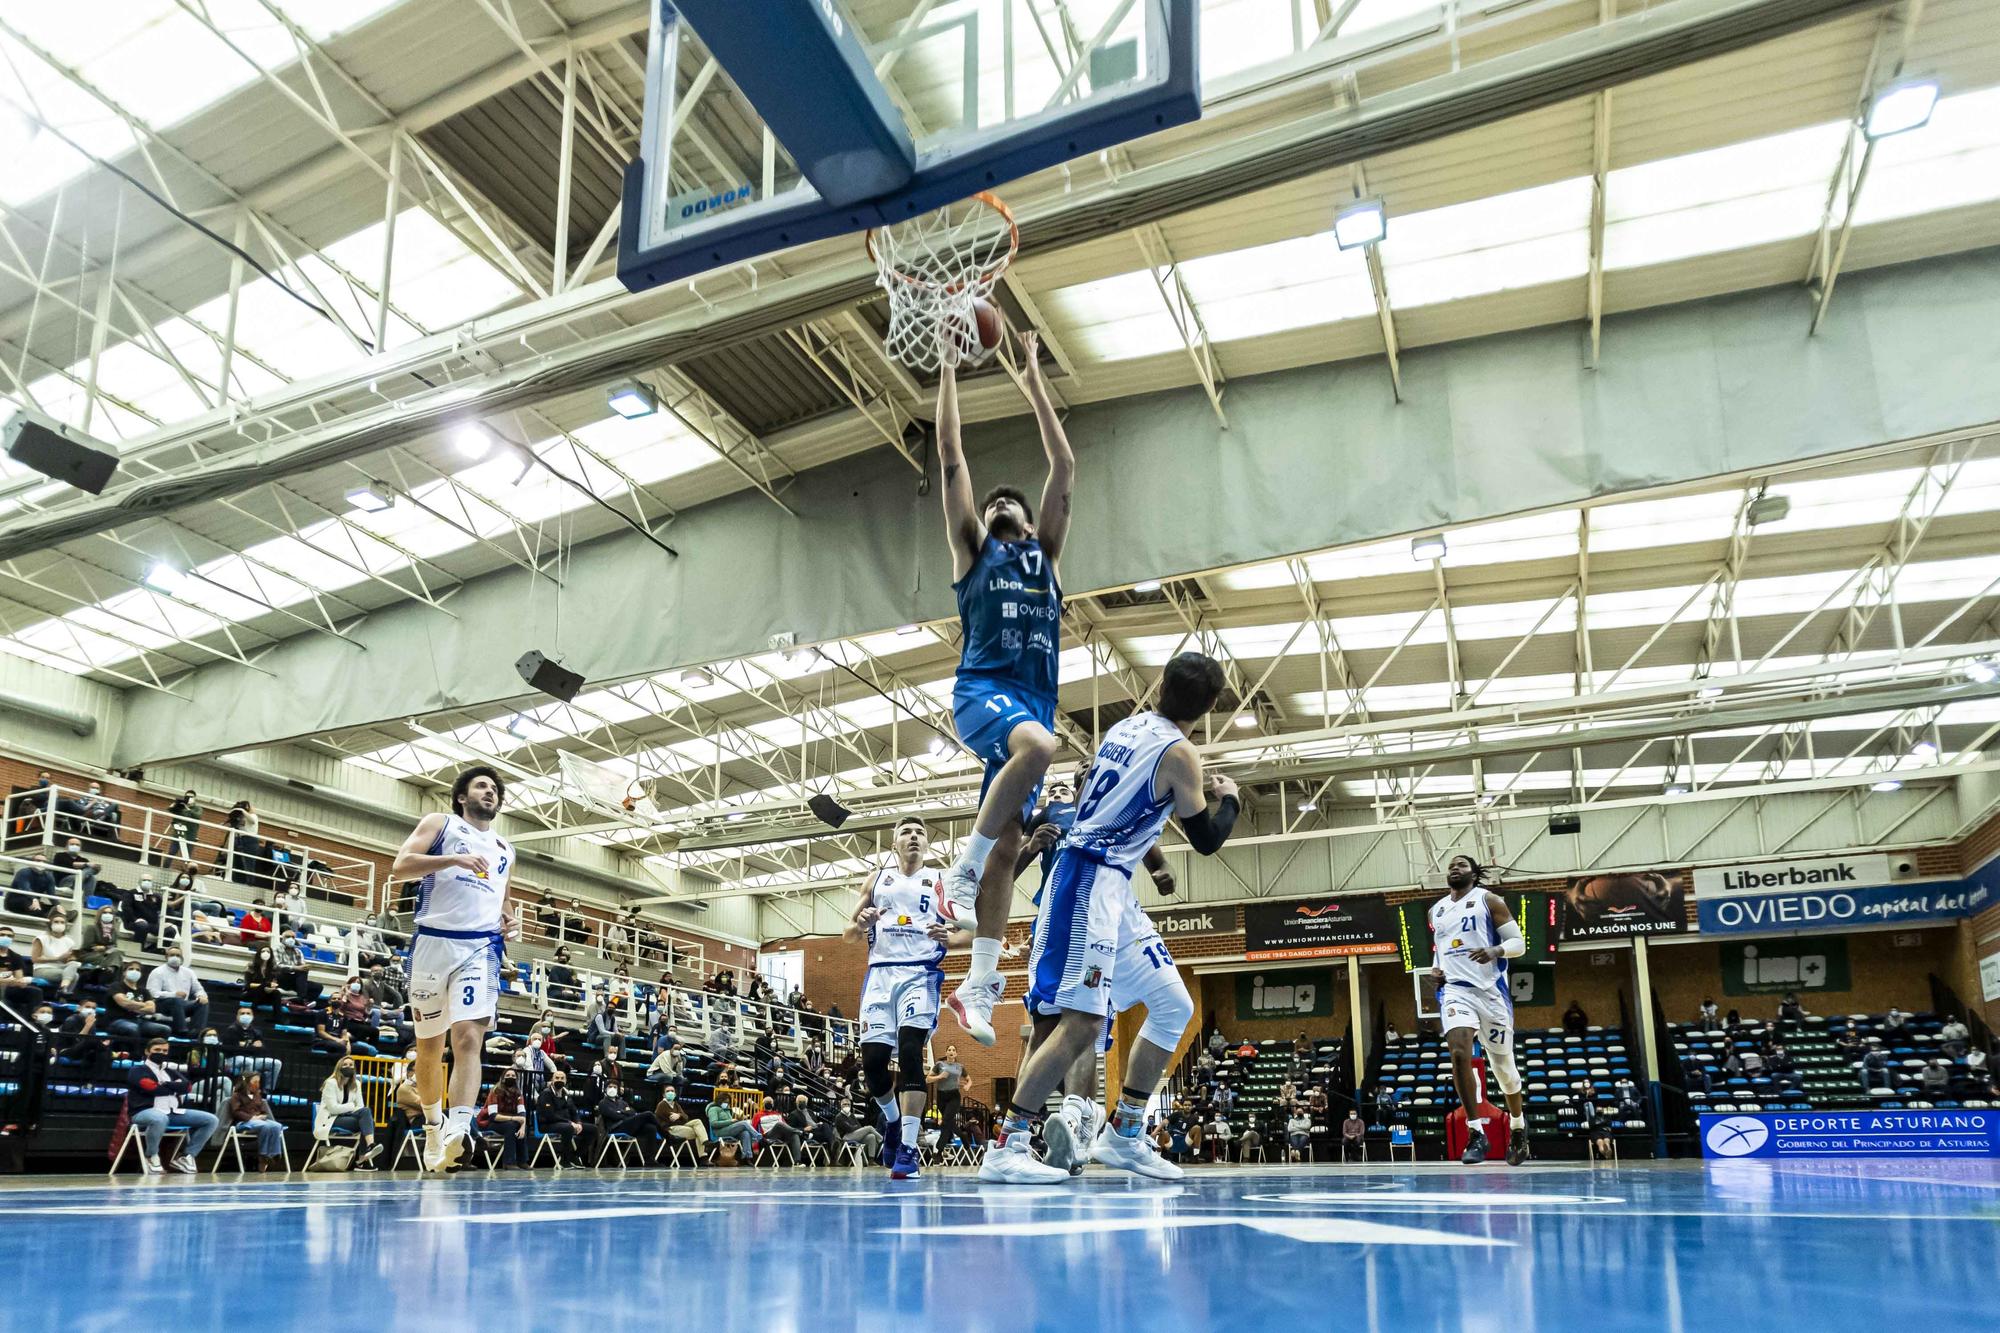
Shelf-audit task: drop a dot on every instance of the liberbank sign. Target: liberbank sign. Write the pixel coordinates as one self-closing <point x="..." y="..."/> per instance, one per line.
<point x="1826" y="893"/>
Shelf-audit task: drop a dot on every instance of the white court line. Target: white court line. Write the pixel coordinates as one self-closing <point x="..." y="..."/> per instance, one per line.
<point x="1371" y="1199"/>
<point x="559" y="1215"/>
<point x="1314" y="1230"/>
<point x="157" y="1206"/>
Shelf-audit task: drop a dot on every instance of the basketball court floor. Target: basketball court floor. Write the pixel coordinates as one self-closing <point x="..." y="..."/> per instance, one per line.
<point x="1895" y="1245"/>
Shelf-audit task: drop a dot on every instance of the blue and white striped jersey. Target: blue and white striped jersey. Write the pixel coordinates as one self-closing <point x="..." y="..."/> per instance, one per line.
<point x="1120" y="815"/>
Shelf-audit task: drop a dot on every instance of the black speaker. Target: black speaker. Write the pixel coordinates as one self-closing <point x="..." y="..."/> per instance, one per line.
<point x="50" y="449"/>
<point x="827" y="810"/>
<point x="547" y="677"/>
<point x="1567" y="822"/>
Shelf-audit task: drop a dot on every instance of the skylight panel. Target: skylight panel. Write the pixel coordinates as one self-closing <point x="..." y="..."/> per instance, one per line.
<point x="1522" y="239"/>
<point x="1949" y="163"/>
<point x="1638" y="524"/>
<point x="1241" y="34"/>
<point x="1719" y="199"/>
<point x="1115" y="318"/>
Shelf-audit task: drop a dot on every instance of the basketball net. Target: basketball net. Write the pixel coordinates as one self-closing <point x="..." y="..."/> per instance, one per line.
<point x="599" y="788"/>
<point x="933" y="268"/>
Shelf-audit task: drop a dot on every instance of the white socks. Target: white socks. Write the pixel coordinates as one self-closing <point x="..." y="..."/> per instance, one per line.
<point x="1078" y="1110"/>
<point x="459" y="1118"/>
<point x="433" y="1113"/>
<point x="1517" y="1122"/>
<point x="985" y="957"/>
<point x="912" y="1131"/>
<point x="977" y="848"/>
<point x="888" y="1108"/>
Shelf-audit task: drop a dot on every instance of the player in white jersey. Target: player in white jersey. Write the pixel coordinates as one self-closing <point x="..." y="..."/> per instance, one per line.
<point x="901" y="914"/>
<point x="1095" y="950"/>
<point x="1472" y="937"/>
<point x="458" y="952"/>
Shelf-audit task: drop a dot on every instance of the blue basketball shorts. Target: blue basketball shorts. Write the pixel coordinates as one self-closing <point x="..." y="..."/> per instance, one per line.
<point x="986" y="711"/>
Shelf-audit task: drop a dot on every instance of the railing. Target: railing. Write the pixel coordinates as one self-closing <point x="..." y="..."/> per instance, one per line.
<point x="693" y="1014"/>
<point x="614" y="941"/>
<point x="157" y="838"/>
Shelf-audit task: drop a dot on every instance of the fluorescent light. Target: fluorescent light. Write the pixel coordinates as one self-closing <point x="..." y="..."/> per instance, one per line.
<point x="1677" y="790"/>
<point x="1982" y="671"/>
<point x="1244" y="721"/>
<point x="1361" y="223"/>
<point x="1487" y="798"/>
<point x="163" y="577"/>
<point x="1307" y="806"/>
<point x="1901" y="107"/>
<point x="909" y="629"/>
<point x="939" y="746"/>
<point x="1924" y="750"/>
<point x="1427" y="548"/>
<point x="738" y="816"/>
<point x="473" y="440"/>
<point x="372" y="498"/>
<point x="695" y="677"/>
<point x="1709" y="692"/>
<point x="1887" y="784"/>
<point x="631" y="400"/>
<point x="1146" y="585"/>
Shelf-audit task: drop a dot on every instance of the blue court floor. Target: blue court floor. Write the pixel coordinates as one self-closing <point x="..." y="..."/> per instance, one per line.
<point x="1899" y="1246"/>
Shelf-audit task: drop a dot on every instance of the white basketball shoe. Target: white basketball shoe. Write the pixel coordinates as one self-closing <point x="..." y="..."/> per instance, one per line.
<point x="972" y="1005"/>
<point x="1013" y="1163"/>
<point x="1135" y="1153"/>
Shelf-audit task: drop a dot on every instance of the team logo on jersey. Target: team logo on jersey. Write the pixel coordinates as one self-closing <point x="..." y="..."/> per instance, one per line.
<point x="1457" y="943"/>
<point x="903" y="920"/>
<point x="464" y="848"/>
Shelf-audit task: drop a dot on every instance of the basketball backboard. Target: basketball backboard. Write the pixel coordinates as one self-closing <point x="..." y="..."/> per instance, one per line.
<point x="771" y="124"/>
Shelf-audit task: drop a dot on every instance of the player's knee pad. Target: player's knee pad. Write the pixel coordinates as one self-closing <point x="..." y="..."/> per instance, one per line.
<point x="875" y="1069"/>
<point x="1169" y="1010"/>
<point x="1500" y="1059"/>
<point x="910" y="1059"/>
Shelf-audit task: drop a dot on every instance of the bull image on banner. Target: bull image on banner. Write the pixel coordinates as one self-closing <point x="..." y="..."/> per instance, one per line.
<point x="1621" y="903"/>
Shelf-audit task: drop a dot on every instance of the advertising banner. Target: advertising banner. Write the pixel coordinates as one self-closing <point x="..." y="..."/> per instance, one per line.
<point x="1181" y="923"/>
<point x="1622" y="903"/>
<point x="1772" y="967"/>
<point x="1950" y="1133"/>
<point x="1989" y="977"/>
<point x="1840" y="909"/>
<point x="1294" y="993"/>
<point x="1320" y="928"/>
<point x="1825" y="872"/>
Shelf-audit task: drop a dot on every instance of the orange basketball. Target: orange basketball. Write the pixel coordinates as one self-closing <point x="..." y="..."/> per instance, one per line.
<point x="986" y="321"/>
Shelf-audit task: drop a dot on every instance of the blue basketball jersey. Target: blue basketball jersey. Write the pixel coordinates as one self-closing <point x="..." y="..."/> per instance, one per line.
<point x="1010" y="609"/>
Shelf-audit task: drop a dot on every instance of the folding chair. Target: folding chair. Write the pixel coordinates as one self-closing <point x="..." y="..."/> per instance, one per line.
<point x="1346" y="1143"/>
<point x="1258" y="1148"/>
<point x="676" y="1150"/>
<point x="769" y="1153"/>
<point x="333" y="1139"/>
<point x="1400" y="1137"/>
<point x="134" y="1139"/>
<point x="814" y="1153"/>
<point x="546" y="1144"/>
<point x="233" y="1141"/>
<point x="854" y="1152"/>
<point x="624" y="1145"/>
<point x="413" y="1142"/>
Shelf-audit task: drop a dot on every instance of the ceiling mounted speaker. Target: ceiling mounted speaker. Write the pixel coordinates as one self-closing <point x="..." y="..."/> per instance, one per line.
<point x="547" y="677"/>
<point x="1568" y="822"/>
<point x="53" y="450"/>
<point x="828" y="811"/>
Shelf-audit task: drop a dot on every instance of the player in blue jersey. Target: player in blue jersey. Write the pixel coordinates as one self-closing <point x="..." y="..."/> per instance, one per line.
<point x="1004" y="703"/>
<point x="1095" y="951"/>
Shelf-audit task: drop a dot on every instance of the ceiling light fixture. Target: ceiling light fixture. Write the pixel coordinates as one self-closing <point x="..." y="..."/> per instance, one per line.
<point x="631" y="399"/>
<point x="738" y="816"/>
<point x="1308" y="805"/>
<point x="1426" y="548"/>
<point x="1362" y="223"/>
<point x="1901" y="107"/>
<point x="909" y="629"/>
<point x="1245" y="721"/>
<point x="695" y="678"/>
<point x="1982" y="672"/>
<point x="1146" y="585"/>
<point x="372" y="498"/>
<point x="1888" y="784"/>
<point x="163" y="577"/>
<point x="1924" y="750"/>
<point x="1768" y="509"/>
<point x="473" y="440"/>
<point x="1676" y="789"/>
<point x="1709" y="692"/>
<point x="939" y="746"/>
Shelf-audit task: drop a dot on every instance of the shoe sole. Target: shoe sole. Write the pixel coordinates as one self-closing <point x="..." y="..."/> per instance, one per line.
<point x="906" y="1175"/>
<point x="1062" y="1151"/>
<point x="985" y="1038"/>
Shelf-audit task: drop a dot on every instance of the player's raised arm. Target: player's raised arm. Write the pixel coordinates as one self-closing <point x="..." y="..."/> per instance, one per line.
<point x="1054" y="527"/>
<point x="1206" y="807"/>
<point x="414" y="860"/>
<point x="962" y="524"/>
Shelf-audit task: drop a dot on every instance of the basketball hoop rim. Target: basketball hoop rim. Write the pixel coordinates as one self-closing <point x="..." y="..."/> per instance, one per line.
<point x="987" y="275"/>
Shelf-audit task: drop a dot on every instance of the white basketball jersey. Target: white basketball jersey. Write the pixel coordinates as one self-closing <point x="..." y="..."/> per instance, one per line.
<point x="457" y="899"/>
<point x="910" y="906"/>
<point x="1119" y="816"/>
<point x="1457" y="928"/>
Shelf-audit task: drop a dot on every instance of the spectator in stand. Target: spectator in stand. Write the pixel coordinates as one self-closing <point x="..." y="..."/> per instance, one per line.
<point x="1298" y="1135"/>
<point x="1352" y="1131"/>
<point x="103" y="818"/>
<point x="154" y="1091"/>
<point x="1952" y="1037"/>
<point x="54" y="954"/>
<point x="82" y="1039"/>
<point x="666" y="1067"/>
<point x="71" y="858"/>
<point x="1937" y="1078"/>
<point x="1316" y="1102"/>
<point x="1385" y="1103"/>
<point x="366" y="941"/>
<point x="1596" y="1129"/>
<point x="244" y="1041"/>
<point x="673" y="1121"/>
<point x="1575" y="1022"/>
<point x="343" y="1110"/>
<point x="771" y="1125"/>
<point x="140" y="911"/>
<point x="205" y="927"/>
<point x="723" y="1124"/>
<point x="558" y="1118"/>
<point x="290" y="964"/>
<point x="615" y="1115"/>
<point x="503" y="1121"/>
<point x="1287" y="1094"/>
<point x="1629" y="1107"/>
<point x="17" y="973"/>
<point x="384" y="991"/>
<point x="260" y="979"/>
<point x="1895" y="1020"/>
<point x="562" y="979"/>
<point x="255" y="925"/>
<point x="1850" y="1046"/>
<point x="1246" y="1052"/>
<point x="1302" y="1050"/>
<point x="1975" y="1063"/>
<point x="32" y="891"/>
<point x="1389" y="1034"/>
<point x="1708" y="1012"/>
<point x="354" y="1005"/>
<point x="333" y="1037"/>
<point x="812" y="1130"/>
<point x="183" y="826"/>
<point x="1790" y="1010"/>
<point x="617" y="940"/>
<point x="852" y="1129"/>
<point x="249" y="1109"/>
<point x="178" y="994"/>
<point x="101" y="956"/>
<point x="134" y="1016"/>
<point x="1695" y="1076"/>
<point x="1875" y="1065"/>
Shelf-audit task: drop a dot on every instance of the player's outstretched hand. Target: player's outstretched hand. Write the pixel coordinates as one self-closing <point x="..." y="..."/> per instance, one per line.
<point x="472" y="861"/>
<point x="1031" y="356"/>
<point x="1220" y="785"/>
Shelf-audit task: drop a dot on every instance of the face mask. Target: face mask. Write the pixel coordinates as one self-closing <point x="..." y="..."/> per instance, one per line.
<point x="6" y="941"/>
<point x="354" y="989"/>
<point x="132" y="974"/>
<point x="58" y="927"/>
<point x="173" y="962"/>
<point x="243" y="1020"/>
<point x="157" y="1057"/>
<point x="87" y="1011"/>
<point x="107" y="921"/>
<point x="211" y="1041"/>
<point x="44" y="1019"/>
<point x="75" y="848"/>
